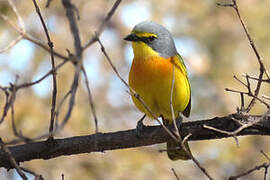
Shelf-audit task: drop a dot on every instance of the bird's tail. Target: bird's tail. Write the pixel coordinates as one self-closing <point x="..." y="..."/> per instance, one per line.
<point x="176" y="152"/>
<point x="174" y="149"/>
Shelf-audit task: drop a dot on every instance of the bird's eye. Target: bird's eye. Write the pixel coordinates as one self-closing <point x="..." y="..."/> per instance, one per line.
<point x="151" y="38"/>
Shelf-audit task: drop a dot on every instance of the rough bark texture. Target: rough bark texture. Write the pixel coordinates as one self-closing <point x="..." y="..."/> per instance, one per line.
<point x="127" y="139"/>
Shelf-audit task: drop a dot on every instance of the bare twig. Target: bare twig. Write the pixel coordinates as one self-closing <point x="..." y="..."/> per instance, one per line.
<point x="264" y="165"/>
<point x="90" y="98"/>
<point x="7" y="104"/>
<point x="265" y="155"/>
<point x="257" y="79"/>
<point x="224" y="132"/>
<point x="171" y="104"/>
<point x="251" y="95"/>
<point x="78" y="48"/>
<point x="225" y="4"/>
<point x="50" y="44"/>
<point x="73" y="26"/>
<point x="31" y="39"/>
<point x="242" y="102"/>
<point x="176" y="176"/>
<point x="235" y="77"/>
<point x="233" y="4"/>
<point x="248" y="84"/>
<point x="265" y="97"/>
<point x="10" y="99"/>
<point x="241" y="128"/>
<point x="12" y="44"/>
<point x="60" y="106"/>
<point x="265" y="173"/>
<point x="252" y="44"/>
<point x="24" y="85"/>
<point x="37" y="176"/>
<point x="48" y="3"/>
<point x="15" y="132"/>
<point x="12" y="160"/>
<point x="102" y="25"/>
<point x="193" y="158"/>
<point x="19" y="17"/>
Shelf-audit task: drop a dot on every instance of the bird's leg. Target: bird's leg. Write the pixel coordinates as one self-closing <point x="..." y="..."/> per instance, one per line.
<point x="179" y="121"/>
<point x="164" y="121"/>
<point x="167" y="124"/>
<point x="140" y="126"/>
<point x="170" y="126"/>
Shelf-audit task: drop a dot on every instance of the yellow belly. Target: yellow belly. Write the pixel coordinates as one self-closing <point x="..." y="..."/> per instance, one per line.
<point x="152" y="80"/>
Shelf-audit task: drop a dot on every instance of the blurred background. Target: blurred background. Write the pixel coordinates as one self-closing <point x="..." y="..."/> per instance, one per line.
<point x="214" y="48"/>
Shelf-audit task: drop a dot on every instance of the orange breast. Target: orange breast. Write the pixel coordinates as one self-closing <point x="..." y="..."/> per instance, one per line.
<point x="151" y="78"/>
<point x="145" y="72"/>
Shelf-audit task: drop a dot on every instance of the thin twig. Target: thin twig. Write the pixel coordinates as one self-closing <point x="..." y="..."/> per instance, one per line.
<point x="12" y="160"/>
<point x="264" y="165"/>
<point x="78" y="48"/>
<point x="10" y="99"/>
<point x="7" y="104"/>
<point x="31" y="39"/>
<point x="171" y="104"/>
<point x="19" y="17"/>
<point x="176" y="176"/>
<point x="50" y="44"/>
<point x="265" y="97"/>
<point x="73" y="26"/>
<point x="233" y="4"/>
<point x="242" y="127"/>
<point x="48" y="3"/>
<point x="223" y="132"/>
<point x="90" y="99"/>
<point x="235" y="77"/>
<point x="60" y="106"/>
<point x="12" y="44"/>
<point x="265" y="155"/>
<point x="257" y="79"/>
<point x="15" y="132"/>
<point x="193" y="158"/>
<point x="24" y="85"/>
<point x="253" y="46"/>
<point x="248" y="84"/>
<point x="251" y="95"/>
<point x="102" y="25"/>
<point x="37" y="176"/>
<point x="242" y="102"/>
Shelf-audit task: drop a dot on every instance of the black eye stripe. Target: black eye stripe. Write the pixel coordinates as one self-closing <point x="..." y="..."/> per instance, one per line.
<point x="151" y="38"/>
<point x="148" y="39"/>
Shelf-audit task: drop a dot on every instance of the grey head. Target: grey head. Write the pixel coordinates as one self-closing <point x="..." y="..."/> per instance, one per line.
<point x="163" y="43"/>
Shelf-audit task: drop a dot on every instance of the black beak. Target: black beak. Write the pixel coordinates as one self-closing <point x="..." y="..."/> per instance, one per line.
<point x="132" y="37"/>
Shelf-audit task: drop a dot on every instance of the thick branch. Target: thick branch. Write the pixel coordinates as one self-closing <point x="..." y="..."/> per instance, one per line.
<point x="127" y="139"/>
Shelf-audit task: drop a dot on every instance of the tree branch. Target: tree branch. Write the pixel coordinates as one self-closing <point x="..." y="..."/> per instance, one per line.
<point x="127" y="139"/>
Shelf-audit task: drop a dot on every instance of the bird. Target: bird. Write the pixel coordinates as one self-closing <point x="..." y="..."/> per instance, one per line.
<point x="155" y="66"/>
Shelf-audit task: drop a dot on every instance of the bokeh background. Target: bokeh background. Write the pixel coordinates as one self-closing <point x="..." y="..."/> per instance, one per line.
<point x="209" y="38"/>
